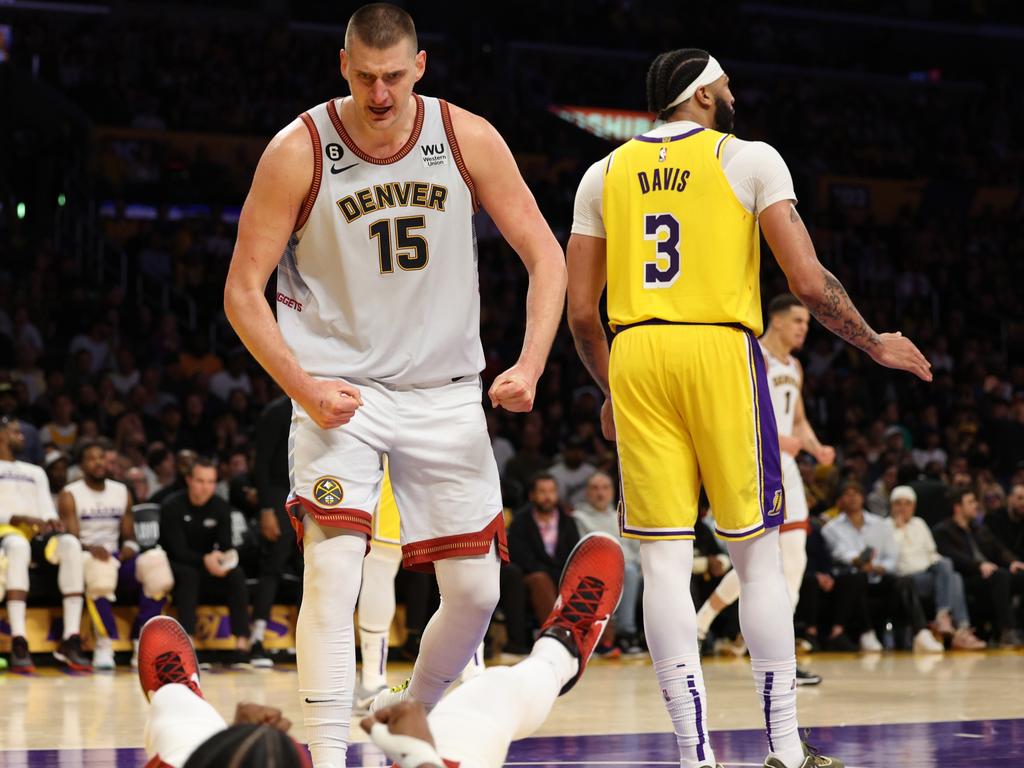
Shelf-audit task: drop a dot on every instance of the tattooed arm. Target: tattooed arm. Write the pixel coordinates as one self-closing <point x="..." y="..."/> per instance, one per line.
<point x="825" y="296"/>
<point x="587" y="278"/>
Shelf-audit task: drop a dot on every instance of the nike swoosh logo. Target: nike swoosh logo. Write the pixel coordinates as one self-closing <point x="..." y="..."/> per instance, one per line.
<point x="319" y="701"/>
<point x="340" y="170"/>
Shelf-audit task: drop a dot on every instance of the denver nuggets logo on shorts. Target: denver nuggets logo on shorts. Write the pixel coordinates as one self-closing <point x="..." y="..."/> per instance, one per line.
<point x="327" y="492"/>
<point x="776" y="504"/>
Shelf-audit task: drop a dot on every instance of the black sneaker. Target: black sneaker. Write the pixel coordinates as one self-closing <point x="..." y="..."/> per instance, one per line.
<point x="69" y="653"/>
<point x="629" y="644"/>
<point x="259" y="658"/>
<point x="812" y="759"/>
<point x="21" y="659"/>
<point x="239" y="659"/>
<point x="803" y="677"/>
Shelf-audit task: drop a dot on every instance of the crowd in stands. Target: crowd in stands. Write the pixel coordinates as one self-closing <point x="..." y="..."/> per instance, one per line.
<point x="82" y="359"/>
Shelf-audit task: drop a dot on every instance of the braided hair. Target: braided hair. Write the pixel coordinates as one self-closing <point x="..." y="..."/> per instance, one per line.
<point x="248" y="746"/>
<point x="669" y="74"/>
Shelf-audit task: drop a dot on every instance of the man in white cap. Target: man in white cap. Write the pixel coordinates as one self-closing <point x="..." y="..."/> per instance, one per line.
<point x="933" y="575"/>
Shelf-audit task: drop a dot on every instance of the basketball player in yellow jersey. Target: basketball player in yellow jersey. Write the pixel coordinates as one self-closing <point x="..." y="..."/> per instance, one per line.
<point x="671" y="222"/>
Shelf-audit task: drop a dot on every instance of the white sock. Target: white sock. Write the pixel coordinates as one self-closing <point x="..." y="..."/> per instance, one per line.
<point x="178" y="722"/>
<point x="557" y="655"/>
<point x="469" y="592"/>
<point x="670" y="624"/>
<point x="259" y="629"/>
<point x="16" y="617"/>
<point x="326" y="641"/>
<point x="766" y="618"/>
<point x="374" y="647"/>
<point x="776" y="685"/>
<point x="72" y="615"/>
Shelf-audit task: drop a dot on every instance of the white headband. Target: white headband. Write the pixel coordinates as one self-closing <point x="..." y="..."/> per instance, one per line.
<point x="712" y="71"/>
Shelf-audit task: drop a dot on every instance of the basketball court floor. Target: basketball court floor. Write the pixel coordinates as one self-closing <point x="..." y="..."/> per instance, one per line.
<point x="901" y="710"/>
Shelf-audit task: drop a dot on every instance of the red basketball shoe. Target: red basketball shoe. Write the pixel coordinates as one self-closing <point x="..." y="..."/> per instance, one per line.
<point x="588" y="593"/>
<point x="166" y="656"/>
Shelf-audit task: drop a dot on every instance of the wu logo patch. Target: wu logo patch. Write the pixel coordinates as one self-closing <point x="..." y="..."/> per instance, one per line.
<point x="434" y="154"/>
<point x="327" y="492"/>
<point x="776" y="504"/>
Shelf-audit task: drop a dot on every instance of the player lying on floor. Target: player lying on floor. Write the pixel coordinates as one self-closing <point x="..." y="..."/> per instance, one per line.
<point x="471" y="728"/>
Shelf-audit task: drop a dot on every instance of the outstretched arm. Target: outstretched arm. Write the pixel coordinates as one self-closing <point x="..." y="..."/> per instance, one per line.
<point x="509" y="202"/>
<point x="825" y="297"/>
<point x="804" y="432"/>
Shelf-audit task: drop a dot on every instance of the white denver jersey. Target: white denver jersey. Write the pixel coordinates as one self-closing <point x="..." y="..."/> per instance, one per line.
<point x="24" y="492"/>
<point x="99" y="513"/>
<point x="784" y="381"/>
<point x="379" y="280"/>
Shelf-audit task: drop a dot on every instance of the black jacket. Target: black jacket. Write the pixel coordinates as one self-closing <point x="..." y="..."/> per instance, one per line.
<point x="526" y="547"/>
<point x="954" y="542"/>
<point x="188" y="532"/>
<point x="1007" y="530"/>
<point x="270" y="467"/>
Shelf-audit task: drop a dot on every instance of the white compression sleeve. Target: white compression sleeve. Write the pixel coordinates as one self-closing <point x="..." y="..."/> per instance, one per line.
<point x="19" y="555"/>
<point x="178" y="722"/>
<point x="326" y="641"/>
<point x="469" y="592"/>
<point x="794" y="561"/>
<point x="475" y="724"/>
<point x="376" y="610"/>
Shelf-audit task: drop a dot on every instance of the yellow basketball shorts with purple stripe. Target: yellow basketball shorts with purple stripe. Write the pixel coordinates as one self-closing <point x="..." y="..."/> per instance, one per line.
<point x="692" y="407"/>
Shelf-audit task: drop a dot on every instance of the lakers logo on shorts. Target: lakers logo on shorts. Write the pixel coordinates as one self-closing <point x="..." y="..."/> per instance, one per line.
<point x="776" y="504"/>
<point x="327" y="492"/>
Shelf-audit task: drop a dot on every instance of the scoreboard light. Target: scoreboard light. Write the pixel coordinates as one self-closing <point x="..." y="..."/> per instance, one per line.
<point x="609" y="124"/>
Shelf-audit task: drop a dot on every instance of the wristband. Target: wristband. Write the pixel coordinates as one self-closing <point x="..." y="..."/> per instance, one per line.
<point x="407" y="751"/>
<point x="132" y="545"/>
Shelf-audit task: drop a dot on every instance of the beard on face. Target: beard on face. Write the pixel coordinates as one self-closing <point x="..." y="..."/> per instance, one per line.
<point x="725" y="115"/>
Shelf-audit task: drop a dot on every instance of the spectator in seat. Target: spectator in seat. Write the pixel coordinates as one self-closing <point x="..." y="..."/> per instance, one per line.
<point x="1007" y="523"/>
<point x="528" y="461"/>
<point x="195" y="531"/>
<point x="991" y="572"/>
<point x="862" y="546"/>
<point x="597" y="512"/>
<point x="539" y="541"/>
<point x="233" y="377"/>
<point x="933" y="575"/>
<point x="572" y="472"/>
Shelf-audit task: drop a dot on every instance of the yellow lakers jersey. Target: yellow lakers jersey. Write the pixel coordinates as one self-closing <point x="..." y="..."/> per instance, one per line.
<point x="680" y="245"/>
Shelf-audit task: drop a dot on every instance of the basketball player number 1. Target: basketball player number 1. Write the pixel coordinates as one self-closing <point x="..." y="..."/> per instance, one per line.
<point x="663" y="229"/>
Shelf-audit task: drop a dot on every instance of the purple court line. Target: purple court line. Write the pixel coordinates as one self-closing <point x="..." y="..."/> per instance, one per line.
<point x="961" y="744"/>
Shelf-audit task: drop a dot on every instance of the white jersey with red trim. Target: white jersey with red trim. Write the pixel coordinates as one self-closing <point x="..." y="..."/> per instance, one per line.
<point x="784" y="380"/>
<point x="99" y="513"/>
<point x="379" y="280"/>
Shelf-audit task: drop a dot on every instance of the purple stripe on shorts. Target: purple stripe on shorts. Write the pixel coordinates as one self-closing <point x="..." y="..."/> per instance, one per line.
<point x="737" y="536"/>
<point x="769" y="679"/>
<point x="666" y="139"/>
<point x="773" y="498"/>
<point x="656" y="534"/>
<point x="383" y="654"/>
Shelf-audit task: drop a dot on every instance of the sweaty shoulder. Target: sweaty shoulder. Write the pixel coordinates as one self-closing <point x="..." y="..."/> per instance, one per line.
<point x="757" y="173"/>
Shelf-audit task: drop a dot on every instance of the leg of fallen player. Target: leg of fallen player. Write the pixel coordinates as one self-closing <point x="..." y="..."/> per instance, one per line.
<point x="473" y="727"/>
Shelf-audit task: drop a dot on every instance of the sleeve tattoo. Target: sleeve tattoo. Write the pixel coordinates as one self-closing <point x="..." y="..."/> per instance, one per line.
<point x="834" y="309"/>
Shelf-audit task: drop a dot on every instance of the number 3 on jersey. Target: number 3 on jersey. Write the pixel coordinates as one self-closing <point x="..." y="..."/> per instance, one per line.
<point x="412" y="250"/>
<point x="663" y="228"/>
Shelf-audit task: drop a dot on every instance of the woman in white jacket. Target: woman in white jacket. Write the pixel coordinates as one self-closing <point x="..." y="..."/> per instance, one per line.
<point x="933" y="575"/>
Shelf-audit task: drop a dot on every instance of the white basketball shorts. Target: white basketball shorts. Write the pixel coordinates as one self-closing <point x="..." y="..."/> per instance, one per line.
<point x="442" y="469"/>
<point x="796" y="497"/>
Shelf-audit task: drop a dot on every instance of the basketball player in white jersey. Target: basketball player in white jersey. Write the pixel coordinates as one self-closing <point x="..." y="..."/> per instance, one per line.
<point x="370" y="199"/>
<point x="29" y="521"/>
<point x="788" y="321"/>
<point x="98" y="511"/>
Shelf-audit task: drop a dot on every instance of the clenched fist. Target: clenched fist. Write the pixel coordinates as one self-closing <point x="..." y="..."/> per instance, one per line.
<point x="330" y="403"/>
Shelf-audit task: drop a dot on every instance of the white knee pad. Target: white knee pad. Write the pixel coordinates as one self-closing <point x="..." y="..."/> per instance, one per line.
<point x="70" y="574"/>
<point x="18" y="553"/>
<point x="153" y="572"/>
<point x="100" y="577"/>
